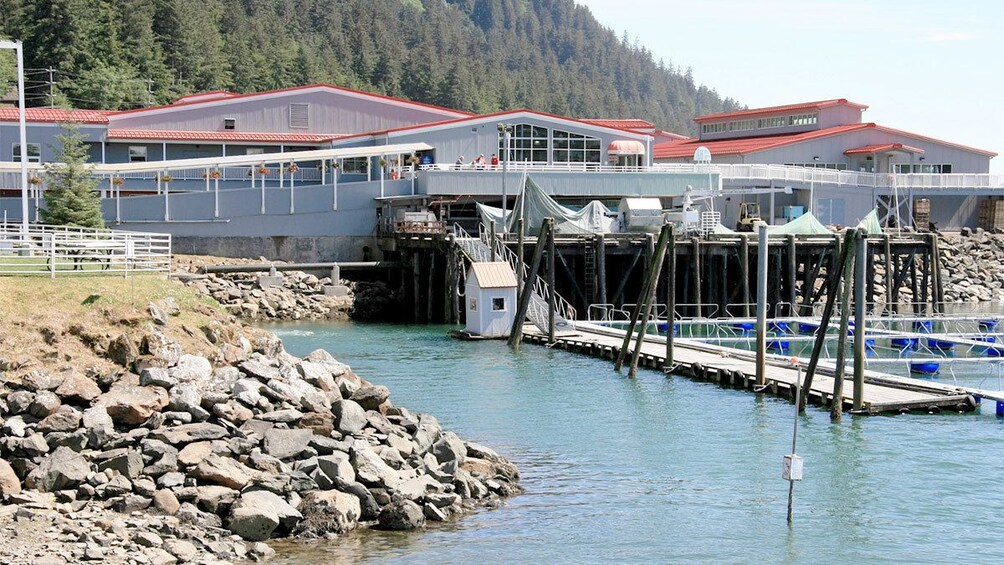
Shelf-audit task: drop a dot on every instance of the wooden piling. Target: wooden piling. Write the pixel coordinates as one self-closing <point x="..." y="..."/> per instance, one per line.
<point x="416" y="285"/>
<point x="792" y="276"/>
<point x="670" y="298"/>
<point x="860" y="270"/>
<point x="516" y="334"/>
<point x="744" y="270"/>
<point x="655" y="268"/>
<point x="844" y="290"/>
<point x="697" y="277"/>
<point x="519" y="256"/>
<point x="601" y="267"/>
<point x="550" y="287"/>
<point x="761" y="306"/>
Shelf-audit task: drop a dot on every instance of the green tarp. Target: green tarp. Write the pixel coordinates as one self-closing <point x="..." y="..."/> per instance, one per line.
<point x="806" y="224"/>
<point x="870" y="223"/>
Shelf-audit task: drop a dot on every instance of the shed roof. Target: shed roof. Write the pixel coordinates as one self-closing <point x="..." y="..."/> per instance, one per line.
<point x="496" y="274"/>
<point x="232" y="136"/>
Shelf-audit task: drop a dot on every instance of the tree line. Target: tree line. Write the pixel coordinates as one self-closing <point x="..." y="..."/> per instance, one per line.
<point x="476" y="55"/>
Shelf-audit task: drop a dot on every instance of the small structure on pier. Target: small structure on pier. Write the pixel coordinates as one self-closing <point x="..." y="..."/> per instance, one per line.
<point x="491" y="299"/>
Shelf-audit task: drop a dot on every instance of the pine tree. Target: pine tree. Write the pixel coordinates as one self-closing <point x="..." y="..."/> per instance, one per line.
<point x="71" y="198"/>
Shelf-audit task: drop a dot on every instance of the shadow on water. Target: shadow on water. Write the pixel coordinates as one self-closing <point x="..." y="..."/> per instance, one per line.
<point x="624" y="470"/>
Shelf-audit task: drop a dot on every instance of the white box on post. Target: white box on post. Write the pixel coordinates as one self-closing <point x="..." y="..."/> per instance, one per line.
<point x="791" y="468"/>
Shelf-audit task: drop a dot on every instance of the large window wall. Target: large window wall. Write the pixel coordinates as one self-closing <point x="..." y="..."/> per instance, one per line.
<point x="535" y="144"/>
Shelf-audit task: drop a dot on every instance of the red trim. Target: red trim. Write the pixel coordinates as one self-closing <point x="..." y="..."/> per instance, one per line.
<point x="746" y="145"/>
<point x="235" y="136"/>
<point x="881" y="148"/>
<point x="295" y="89"/>
<point x="778" y="109"/>
<point x="201" y="96"/>
<point x="486" y="117"/>
<point x="56" y="115"/>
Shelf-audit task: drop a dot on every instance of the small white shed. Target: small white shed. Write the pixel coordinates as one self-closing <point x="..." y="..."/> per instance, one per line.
<point x="640" y="214"/>
<point x="491" y="299"/>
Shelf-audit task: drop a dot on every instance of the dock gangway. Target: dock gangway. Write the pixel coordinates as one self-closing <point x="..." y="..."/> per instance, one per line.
<point x="479" y="250"/>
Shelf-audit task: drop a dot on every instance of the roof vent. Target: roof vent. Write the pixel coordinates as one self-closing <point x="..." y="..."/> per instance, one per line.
<point x="299" y="115"/>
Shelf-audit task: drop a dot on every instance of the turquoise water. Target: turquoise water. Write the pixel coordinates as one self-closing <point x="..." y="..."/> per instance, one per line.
<point x="668" y="469"/>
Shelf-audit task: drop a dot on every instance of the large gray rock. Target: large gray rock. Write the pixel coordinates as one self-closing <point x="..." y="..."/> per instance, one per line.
<point x="127" y="462"/>
<point x="401" y="515"/>
<point x="192" y="369"/>
<point x="450" y="448"/>
<point x="61" y="469"/>
<point x="328" y="511"/>
<point x="99" y="425"/>
<point x="337" y="466"/>
<point x="133" y="405"/>
<point x="122" y="351"/>
<point x="65" y="419"/>
<point x="370" y="467"/>
<point x="259" y="369"/>
<point x="9" y="483"/>
<point x="185" y="397"/>
<point x="370" y="397"/>
<point x="247" y="391"/>
<point x="284" y="444"/>
<point x="77" y="387"/>
<point x="257" y="514"/>
<point x="224" y="471"/>
<point x="350" y="418"/>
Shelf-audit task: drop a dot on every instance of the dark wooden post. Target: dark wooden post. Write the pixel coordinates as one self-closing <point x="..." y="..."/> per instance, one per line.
<point x="647" y="289"/>
<point x="655" y="268"/>
<point x="416" y="285"/>
<point x="601" y="267"/>
<point x="697" y="276"/>
<point x="889" y="277"/>
<point x="831" y="296"/>
<point x="670" y="298"/>
<point x="859" y="322"/>
<point x="516" y="334"/>
<point x="792" y="275"/>
<point x="844" y="289"/>
<point x="491" y="240"/>
<point x="519" y="256"/>
<point x="550" y="286"/>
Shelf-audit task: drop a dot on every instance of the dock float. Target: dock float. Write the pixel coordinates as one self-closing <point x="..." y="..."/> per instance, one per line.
<point x="883" y="393"/>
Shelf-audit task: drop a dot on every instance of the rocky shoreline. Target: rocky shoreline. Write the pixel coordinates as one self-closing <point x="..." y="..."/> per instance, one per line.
<point x="183" y="456"/>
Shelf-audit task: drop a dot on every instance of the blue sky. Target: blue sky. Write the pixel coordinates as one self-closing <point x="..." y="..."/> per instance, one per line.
<point x="930" y="67"/>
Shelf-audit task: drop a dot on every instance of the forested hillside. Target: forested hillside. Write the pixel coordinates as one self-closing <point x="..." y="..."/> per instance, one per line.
<point x="476" y="55"/>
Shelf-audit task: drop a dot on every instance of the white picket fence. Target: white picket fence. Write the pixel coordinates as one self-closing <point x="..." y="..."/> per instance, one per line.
<point x="60" y="250"/>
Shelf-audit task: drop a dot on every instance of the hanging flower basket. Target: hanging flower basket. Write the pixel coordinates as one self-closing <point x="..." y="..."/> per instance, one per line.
<point x="293" y="168"/>
<point x="166" y="178"/>
<point x="263" y="170"/>
<point x="35" y="180"/>
<point x="215" y="174"/>
<point x="118" y="181"/>
<point x="383" y="162"/>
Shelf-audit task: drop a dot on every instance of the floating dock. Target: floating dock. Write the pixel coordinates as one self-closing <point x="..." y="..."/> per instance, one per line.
<point x="883" y="393"/>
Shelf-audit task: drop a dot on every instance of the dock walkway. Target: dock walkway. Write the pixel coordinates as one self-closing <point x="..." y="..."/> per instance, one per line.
<point x="883" y="393"/>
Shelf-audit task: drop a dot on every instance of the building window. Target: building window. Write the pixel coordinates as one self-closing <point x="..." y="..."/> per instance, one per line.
<point x="574" y="148"/>
<point x="474" y="304"/>
<point x="355" y="165"/>
<point x="803" y="119"/>
<point x="299" y="115"/>
<point x="498" y="305"/>
<point x="255" y="151"/>
<point x="775" y="122"/>
<point x="528" y="143"/>
<point x="34" y="152"/>
<point x="137" y="153"/>
<point x="936" y="168"/>
<point x="713" y="128"/>
<point x="229" y="123"/>
<point x="818" y="165"/>
<point x="742" y="125"/>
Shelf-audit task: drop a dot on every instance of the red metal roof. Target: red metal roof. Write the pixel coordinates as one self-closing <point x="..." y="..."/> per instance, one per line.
<point x="745" y="145"/>
<point x="233" y="136"/>
<point x="204" y="96"/>
<point x="183" y="102"/>
<point x="57" y="115"/>
<point x="627" y="123"/>
<point x="870" y="149"/>
<point x="779" y="109"/>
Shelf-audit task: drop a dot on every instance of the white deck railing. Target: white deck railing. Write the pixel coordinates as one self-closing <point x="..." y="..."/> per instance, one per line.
<point x="60" y="250"/>
<point x="779" y="174"/>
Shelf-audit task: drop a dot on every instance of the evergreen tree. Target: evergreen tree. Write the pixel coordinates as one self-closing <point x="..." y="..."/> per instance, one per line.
<point x="71" y="198"/>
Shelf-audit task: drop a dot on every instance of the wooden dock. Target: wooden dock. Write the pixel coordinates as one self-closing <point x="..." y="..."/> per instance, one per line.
<point x="883" y="393"/>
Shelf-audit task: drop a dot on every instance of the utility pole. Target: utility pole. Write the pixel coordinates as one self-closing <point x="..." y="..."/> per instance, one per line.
<point x="52" y="83"/>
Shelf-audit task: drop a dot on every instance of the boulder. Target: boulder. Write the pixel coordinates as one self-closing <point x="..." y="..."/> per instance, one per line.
<point x="185" y="551"/>
<point x="61" y="469"/>
<point x="328" y="511"/>
<point x="187" y="433"/>
<point x="156" y="376"/>
<point x="9" y="483"/>
<point x="450" y="448"/>
<point x="193" y="453"/>
<point x="370" y="467"/>
<point x="247" y="391"/>
<point x="337" y="466"/>
<point x="127" y="462"/>
<point x="401" y="515"/>
<point x="166" y="502"/>
<point x="285" y="444"/>
<point x="350" y="418"/>
<point x="223" y="471"/>
<point x="370" y="397"/>
<point x="133" y="405"/>
<point x="44" y="404"/>
<point x="192" y="369"/>
<point x="122" y="351"/>
<point x="186" y="397"/>
<point x="65" y="419"/>
<point x="257" y="514"/>
<point x="77" y="387"/>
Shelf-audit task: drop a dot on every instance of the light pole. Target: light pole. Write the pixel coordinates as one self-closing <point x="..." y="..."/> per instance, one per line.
<point x="22" y="130"/>
<point x="506" y="131"/>
<point x="812" y="186"/>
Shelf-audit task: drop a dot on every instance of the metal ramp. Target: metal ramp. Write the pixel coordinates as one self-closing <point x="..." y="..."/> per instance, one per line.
<point x="477" y="250"/>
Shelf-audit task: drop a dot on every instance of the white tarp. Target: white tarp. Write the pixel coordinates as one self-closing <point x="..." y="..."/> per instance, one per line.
<point x="870" y="223"/>
<point x="534" y="205"/>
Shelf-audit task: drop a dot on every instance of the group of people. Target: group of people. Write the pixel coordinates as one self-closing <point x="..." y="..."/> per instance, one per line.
<point x="479" y="162"/>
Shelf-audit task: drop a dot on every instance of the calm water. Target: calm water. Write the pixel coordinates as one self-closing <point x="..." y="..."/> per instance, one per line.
<point x="668" y="469"/>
